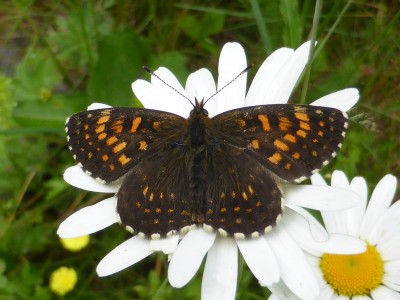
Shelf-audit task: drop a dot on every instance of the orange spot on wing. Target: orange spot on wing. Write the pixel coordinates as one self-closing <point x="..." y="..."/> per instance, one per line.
<point x="290" y="138"/>
<point x="111" y="140"/>
<point x="302" y="116"/>
<point x="135" y="124"/>
<point x="301" y="133"/>
<point x="146" y="188"/>
<point x="123" y="159"/>
<point x="250" y="189"/>
<point x="156" y="125"/>
<point x="281" y="145"/>
<point x="117" y="126"/>
<point x="296" y="155"/>
<point x="284" y="123"/>
<point x="119" y="147"/>
<point x="264" y="122"/>
<point x="104" y="157"/>
<point x="254" y="144"/>
<point x="103" y="119"/>
<point x="242" y="123"/>
<point x="305" y="125"/>
<point x="275" y="158"/>
<point x="100" y="128"/>
<point x="102" y="136"/>
<point x="143" y="145"/>
<point x="288" y="166"/>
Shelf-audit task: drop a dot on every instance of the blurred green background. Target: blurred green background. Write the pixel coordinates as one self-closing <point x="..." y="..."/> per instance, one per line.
<point x="57" y="57"/>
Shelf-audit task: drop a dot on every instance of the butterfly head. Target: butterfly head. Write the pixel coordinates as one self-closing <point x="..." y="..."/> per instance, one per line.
<point x="198" y="109"/>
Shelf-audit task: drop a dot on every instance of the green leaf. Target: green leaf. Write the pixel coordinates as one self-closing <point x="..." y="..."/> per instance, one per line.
<point x="293" y="31"/>
<point x="49" y="115"/>
<point x="121" y="56"/>
<point x="199" y="29"/>
<point x="175" y="61"/>
<point x="34" y="74"/>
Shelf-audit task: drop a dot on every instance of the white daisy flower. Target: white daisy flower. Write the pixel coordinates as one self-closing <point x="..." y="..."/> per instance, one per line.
<point x="271" y="257"/>
<point x="374" y="274"/>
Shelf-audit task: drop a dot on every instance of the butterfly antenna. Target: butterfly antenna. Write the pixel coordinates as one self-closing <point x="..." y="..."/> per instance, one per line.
<point x="240" y="74"/>
<point x="148" y="70"/>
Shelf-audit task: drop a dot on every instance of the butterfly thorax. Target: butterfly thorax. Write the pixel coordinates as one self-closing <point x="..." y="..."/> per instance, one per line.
<point x="197" y="124"/>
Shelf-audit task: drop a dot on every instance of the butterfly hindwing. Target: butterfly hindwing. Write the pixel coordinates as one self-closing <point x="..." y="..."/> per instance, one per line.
<point x="107" y="143"/>
<point x="154" y="198"/>
<point x="243" y="198"/>
<point x="292" y="141"/>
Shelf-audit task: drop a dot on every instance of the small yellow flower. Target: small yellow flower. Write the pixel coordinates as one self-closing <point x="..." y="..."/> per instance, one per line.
<point x="63" y="280"/>
<point x="45" y="94"/>
<point x="75" y="244"/>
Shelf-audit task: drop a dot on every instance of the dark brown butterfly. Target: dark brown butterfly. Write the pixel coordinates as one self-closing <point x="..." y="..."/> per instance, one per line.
<point x="222" y="173"/>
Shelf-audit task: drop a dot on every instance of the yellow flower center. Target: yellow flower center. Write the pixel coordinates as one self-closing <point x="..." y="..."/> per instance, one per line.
<point x="75" y="244"/>
<point x="63" y="280"/>
<point x="356" y="274"/>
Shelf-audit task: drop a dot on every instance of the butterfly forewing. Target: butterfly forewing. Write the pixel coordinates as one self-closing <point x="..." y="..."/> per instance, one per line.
<point x="109" y="142"/>
<point x="292" y="141"/>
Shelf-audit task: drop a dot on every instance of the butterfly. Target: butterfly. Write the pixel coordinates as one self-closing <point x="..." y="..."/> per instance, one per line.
<point x="223" y="173"/>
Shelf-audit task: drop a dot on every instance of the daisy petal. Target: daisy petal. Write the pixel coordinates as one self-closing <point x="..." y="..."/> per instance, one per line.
<point x="335" y="221"/>
<point x="282" y="292"/>
<point x="220" y="271"/>
<point x="343" y="100"/>
<point x="232" y="61"/>
<point x="357" y="297"/>
<point x="383" y="292"/>
<point x="76" y="177"/>
<point x="392" y="267"/>
<point x="260" y="259"/>
<point x="166" y="245"/>
<point x="380" y="201"/>
<point x="124" y="255"/>
<point x="327" y="293"/>
<point x="188" y="256"/>
<point x="320" y="197"/>
<point x="339" y="179"/>
<point x="90" y="219"/>
<point x="263" y="81"/>
<point x="200" y="84"/>
<point x="317" y="179"/>
<point x="296" y="272"/>
<point x="283" y="83"/>
<point x="170" y="99"/>
<point x="95" y="105"/>
<point x="149" y="96"/>
<point x="355" y="214"/>
<point x="303" y="230"/>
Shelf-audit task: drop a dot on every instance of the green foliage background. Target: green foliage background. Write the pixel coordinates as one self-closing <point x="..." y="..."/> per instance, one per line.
<point x="57" y="57"/>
